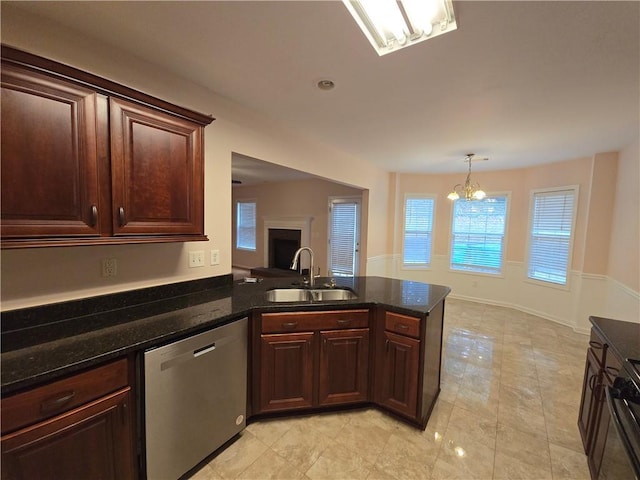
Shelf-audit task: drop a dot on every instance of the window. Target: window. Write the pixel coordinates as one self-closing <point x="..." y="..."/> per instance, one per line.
<point x="344" y="236"/>
<point x="478" y="228"/>
<point x="552" y="221"/>
<point x="418" y="231"/>
<point x="246" y="225"/>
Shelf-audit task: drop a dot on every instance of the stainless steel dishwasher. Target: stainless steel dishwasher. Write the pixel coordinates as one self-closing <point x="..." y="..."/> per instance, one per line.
<point x="195" y="398"/>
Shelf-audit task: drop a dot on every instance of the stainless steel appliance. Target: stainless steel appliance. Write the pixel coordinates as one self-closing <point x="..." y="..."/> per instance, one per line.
<point x="621" y="455"/>
<point x="195" y="393"/>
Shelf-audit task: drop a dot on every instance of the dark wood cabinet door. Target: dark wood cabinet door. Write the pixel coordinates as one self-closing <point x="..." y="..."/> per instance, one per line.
<point x="589" y="401"/>
<point x="286" y="371"/>
<point x="344" y="366"/>
<point x="49" y="157"/>
<point x="93" y="441"/>
<point x="157" y="172"/>
<point x="399" y="374"/>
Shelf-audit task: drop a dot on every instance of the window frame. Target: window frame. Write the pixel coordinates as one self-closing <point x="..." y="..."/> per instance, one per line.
<point x="536" y="281"/>
<point x="420" y="196"/>
<point x="501" y="272"/>
<point x="255" y="225"/>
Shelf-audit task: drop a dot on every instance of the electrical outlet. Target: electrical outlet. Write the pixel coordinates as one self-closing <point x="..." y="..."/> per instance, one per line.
<point x="196" y="259"/>
<point x="215" y="257"/>
<point x="109" y="267"/>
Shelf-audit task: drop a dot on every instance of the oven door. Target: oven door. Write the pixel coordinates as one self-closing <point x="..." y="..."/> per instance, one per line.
<point x="621" y="457"/>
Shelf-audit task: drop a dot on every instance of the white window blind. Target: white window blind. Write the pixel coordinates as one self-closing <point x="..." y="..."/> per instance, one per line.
<point x="418" y="231"/>
<point x="551" y="233"/>
<point x="478" y="234"/>
<point x="343" y="239"/>
<point x="246" y="226"/>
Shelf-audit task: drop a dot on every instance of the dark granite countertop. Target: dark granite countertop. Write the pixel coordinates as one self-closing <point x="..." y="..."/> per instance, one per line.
<point x="42" y="343"/>
<point x="623" y="338"/>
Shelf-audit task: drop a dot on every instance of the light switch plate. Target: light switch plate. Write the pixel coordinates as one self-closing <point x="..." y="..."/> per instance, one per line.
<point x="196" y="259"/>
<point x="215" y="257"/>
<point x="109" y="267"/>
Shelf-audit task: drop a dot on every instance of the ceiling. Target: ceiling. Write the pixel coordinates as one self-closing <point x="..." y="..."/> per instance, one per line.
<point x="522" y="83"/>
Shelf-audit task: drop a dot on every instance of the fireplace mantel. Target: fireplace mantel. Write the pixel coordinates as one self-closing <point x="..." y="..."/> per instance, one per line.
<point x="302" y="223"/>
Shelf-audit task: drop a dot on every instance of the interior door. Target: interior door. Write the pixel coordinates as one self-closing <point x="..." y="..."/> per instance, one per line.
<point x="344" y="236"/>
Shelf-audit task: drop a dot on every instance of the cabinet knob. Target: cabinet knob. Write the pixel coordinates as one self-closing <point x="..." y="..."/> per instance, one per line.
<point x="94" y="215"/>
<point x="121" y="216"/>
<point x="289" y="324"/>
<point x="343" y="322"/>
<point x="402" y="326"/>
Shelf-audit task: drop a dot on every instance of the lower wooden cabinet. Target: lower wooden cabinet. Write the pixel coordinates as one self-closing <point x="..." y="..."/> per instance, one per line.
<point x="92" y="441"/>
<point x="344" y="366"/>
<point x="76" y="428"/>
<point x="400" y="364"/>
<point x="601" y="368"/>
<point x="286" y="371"/>
<point x="310" y="359"/>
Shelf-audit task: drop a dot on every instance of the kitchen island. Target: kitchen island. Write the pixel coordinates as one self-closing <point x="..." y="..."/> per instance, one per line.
<point x="382" y="347"/>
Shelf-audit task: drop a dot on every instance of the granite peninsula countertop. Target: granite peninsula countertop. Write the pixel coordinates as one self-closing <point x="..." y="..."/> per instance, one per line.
<point x="41" y="343"/>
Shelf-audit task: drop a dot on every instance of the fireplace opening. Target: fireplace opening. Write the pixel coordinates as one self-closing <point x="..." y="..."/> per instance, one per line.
<point x="283" y="244"/>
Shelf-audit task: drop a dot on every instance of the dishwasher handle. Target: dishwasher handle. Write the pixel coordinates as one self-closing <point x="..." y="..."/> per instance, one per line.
<point x="204" y="350"/>
<point x="176" y="357"/>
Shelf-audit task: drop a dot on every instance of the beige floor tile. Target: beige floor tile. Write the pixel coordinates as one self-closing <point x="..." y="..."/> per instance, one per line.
<point x="377" y="474"/>
<point x="468" y="428"/>
<point x="270" y="430"/>
<point x="235" y="459"/>
<point x="205" y="473"/>
<point x="521" y="407"/>
<point x="365" y="439"/>
<point x="271" y="466"/>
<point x="562" y="425"/>
<point x="301" y="446"/>
<point x="329" y="424"/>
<point x="463" y="461"/>
<point x="338" y="462"/>
<point x="521" y="455"/>
<point x="567" y="464"/>
<point x="404" y="459"/>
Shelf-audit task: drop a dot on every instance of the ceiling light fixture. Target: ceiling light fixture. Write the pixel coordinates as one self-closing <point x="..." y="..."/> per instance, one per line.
<point x="470" y="191"/>
<point x="390" y="25"/>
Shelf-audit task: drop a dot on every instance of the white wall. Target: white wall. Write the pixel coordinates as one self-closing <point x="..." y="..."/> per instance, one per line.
<point x="44" y="275"/>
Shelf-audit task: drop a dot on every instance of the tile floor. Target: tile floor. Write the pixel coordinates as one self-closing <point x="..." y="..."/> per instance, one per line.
<point x="511" y="385"/>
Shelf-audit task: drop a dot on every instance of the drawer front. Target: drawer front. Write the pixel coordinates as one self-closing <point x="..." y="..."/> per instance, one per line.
<point x="598" y="347"/>
<point x="62" y="395"/>
<point x="402" y="324"/>
<point x="284" y="322"/>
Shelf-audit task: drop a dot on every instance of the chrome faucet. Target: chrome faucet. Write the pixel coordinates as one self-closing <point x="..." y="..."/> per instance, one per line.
<point x="294" y="265"/>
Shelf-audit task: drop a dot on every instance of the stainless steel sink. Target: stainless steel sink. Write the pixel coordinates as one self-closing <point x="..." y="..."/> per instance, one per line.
<point x="330" y="294"/>
<point x="309" y="295"/>
<point x="287" y="295"/>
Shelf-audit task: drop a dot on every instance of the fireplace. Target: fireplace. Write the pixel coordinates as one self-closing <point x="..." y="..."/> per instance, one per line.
<point x="283" y="244"/>
<point x="284" y="226"/>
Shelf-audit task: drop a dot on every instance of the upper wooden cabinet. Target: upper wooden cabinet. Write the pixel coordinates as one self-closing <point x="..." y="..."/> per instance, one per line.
<point x="86" y="160"/>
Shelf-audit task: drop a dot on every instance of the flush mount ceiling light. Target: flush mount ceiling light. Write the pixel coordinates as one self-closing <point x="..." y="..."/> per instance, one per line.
<point x="391" y="25"/>
<point x="469" y="191"/>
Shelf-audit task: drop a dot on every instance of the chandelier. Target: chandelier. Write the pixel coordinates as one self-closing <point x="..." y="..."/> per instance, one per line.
<point x="469" y="191"/>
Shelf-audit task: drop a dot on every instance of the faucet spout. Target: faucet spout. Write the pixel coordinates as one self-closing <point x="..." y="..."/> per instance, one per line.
<point x="296" y="257"/>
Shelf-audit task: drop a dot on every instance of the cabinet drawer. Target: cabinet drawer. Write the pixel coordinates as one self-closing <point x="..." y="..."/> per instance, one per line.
<point x="283" y="322"/>
<point x="44" y="402"/>
<point x="402" y="324"/>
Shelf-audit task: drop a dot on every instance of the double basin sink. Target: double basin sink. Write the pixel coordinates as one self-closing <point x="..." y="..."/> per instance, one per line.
<point x="309" y="294"/>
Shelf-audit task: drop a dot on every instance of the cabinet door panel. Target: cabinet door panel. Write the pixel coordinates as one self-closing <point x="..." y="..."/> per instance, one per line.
<point x="93" y="441"/>
<point x="157" y="176"/>
<point x="49" y="157"/>
<point x="589" y="402"/>
<point x="344" y="366"/>
<point x="286" y="371"/>
<point x="400" y="373"/>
